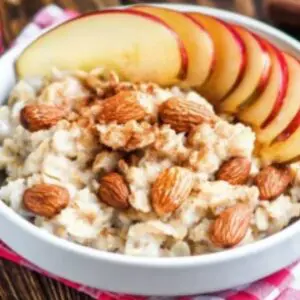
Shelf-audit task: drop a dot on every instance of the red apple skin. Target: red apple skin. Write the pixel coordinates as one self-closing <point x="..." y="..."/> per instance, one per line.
<point x="243" y="49"/>
<point x="206" y="88"/>
<point x="292" y="127"/>
<point x="198" y="23"/>
<point x="262" y="81"/>
<point x="242" y="46"/>
<point x="184" y="57"/>
<point x="266" y="74"/>
<point x="282" y="84"/>
<point x="195" y="38"/>
<point x="289" y="109"/>
<point x="282" y="91"/>
<point x="268" y="67"/>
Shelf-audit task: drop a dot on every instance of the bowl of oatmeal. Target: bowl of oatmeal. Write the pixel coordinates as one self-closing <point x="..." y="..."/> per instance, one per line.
<point x="108" y="182"/>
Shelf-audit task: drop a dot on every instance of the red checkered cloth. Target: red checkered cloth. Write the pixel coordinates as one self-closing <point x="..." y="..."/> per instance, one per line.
<point x="283" y="285"/>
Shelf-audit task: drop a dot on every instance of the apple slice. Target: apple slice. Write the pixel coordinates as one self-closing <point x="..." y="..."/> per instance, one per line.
<point x="256" y="73"/>
<point x="265" y="108"/>
<point x="199" y="45"/>
<point x="286" y="147"/>
<point x="139" y="46"/>
<point x="289" y="108"/>
<point x="230" y="58"/>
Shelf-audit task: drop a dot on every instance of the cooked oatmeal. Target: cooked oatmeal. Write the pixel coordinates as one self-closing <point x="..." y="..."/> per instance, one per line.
<point x="103" y="163"/>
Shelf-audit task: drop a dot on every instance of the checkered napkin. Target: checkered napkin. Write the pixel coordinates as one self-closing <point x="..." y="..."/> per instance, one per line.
<point x="283" y="285"/>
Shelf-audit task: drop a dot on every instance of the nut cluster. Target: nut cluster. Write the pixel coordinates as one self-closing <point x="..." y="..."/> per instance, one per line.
<point x="174" y="185"/>
<point x="171" y="188"/>
<point x="232" y="224"/>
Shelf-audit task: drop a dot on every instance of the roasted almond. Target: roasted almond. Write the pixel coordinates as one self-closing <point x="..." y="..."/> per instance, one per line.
<point x="121" y="108"/>
<point x="46" y="200"/>
<point x="235" y="171"/>
<point x="182" y="115"/>
<point x="113" y="191"/>
<point x="35" y="117"/>
<point x="273" y="181"/>
<point x="231" y="226"/>
<point x="171" y="188"/>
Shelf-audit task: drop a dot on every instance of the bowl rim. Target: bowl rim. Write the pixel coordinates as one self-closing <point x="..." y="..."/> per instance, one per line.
<point x="163" y="262"/>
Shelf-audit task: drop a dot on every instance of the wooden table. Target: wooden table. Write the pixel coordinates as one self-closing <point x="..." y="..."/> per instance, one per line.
<point x="17" y="282"/>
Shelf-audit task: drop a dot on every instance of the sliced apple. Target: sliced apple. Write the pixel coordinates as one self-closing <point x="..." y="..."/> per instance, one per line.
<point x="230" y="58"/>
<point x="256" y="73"/>
<point x="199" y="45"/>
<point x="139" y="46"/>
<point x="289" y="108"/>
<point x="286" y="147"/>
<point x="264" y="109"/>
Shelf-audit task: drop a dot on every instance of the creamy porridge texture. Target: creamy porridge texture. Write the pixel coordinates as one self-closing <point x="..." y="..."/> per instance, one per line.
<point x="136" y="168"/>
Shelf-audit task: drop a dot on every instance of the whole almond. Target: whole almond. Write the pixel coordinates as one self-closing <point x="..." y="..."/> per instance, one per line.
<point x="46" y="200"/>
<point x="121" y="108"/>
<point x="171" y="188"/>
<point x="182" y="115"/>
<point x="273" y="181"/>
<point x="231" y="226"/>
<point x="113" y="191"/>
<point x="35" y="117"/>
<point x="235" y="171"/>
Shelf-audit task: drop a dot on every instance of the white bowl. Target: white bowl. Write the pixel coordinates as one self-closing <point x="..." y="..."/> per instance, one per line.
<point x="151" y="276"/>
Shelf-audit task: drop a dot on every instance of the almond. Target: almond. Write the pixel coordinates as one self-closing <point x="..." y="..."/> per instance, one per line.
<point x="182" y="115"/>
<point x="122" y="108"/>
<point x="35" y="117"/>
<point x="113" y="191"/>
<point x="231" y="226"/>
<point x="273" y="181"/>
<point x="171" y="188"/>
<point x="235" y="171"/>
<point x="46" y="200"/>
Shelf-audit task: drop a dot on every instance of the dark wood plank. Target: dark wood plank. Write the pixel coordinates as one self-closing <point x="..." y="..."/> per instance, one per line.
<point x="18" y="283"/>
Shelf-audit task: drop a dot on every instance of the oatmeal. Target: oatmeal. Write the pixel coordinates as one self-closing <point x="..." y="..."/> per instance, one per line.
<point x="136" y="168"/>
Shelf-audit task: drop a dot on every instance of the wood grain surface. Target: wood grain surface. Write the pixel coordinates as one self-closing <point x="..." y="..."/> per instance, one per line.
<point x="17" y="282"/>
